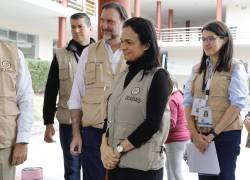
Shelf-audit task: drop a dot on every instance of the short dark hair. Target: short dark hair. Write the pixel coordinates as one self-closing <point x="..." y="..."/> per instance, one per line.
<point x="83" y="16"/>
<point x="118" y="7"/>
<point x="146" y="34"/>
<point x="226" y="51"/>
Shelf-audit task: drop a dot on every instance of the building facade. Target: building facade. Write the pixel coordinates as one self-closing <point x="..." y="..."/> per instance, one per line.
<point x="38" y="26"/>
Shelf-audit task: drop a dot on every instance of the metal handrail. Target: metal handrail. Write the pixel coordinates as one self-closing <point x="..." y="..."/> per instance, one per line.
<point x="82" y="5"/>
<point x="90" y="6"/>
<point x="78" y="5"/>
<point x="193" y="34"/>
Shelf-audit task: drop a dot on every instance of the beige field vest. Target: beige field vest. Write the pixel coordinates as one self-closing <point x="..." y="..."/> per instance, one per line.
<point x="67" y="68"/>
<point x="8" y="101"/>
<point x="127" y="111"/>
<point x="218" y="99"/>
<point x="98" y="78"/>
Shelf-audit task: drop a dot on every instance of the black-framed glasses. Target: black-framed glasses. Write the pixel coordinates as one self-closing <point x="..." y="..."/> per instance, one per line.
<point x="210" y="39"/>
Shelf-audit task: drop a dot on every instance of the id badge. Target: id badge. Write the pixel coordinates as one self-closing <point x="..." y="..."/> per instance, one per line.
<point x="205" y="117"/>
<point x="197" y="104"/>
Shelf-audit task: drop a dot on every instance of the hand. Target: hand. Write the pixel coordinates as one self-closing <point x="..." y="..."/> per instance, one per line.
<point x="247" y="123"/>
<point x="109" y="157"/>
<point x="49" y="133"/>
<point x="19" y="154"/>
<point x="76" y="145"/>
<point x="201" y="142"/>
<point x="209" y="138"/>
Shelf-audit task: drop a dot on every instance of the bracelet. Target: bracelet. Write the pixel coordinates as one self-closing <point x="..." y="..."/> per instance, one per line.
<point x="213" y="133"/>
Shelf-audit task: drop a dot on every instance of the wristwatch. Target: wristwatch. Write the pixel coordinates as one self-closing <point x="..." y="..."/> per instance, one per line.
<point x="120" y="148"/>
<point x="213" y="133"/>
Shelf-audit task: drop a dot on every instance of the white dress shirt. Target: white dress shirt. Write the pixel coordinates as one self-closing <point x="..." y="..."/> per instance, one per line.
<point x="78" y="88"/>
<point x="25" y="96"/>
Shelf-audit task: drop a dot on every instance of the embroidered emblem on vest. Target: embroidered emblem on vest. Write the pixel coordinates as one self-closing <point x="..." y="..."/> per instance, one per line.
<point x="132" y="98"/>
<point x="4" y="64"/>
<point x="136" y="90"/>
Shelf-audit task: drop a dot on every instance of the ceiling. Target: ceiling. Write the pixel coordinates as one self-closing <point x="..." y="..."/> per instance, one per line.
<point x="198" y="11"/>
<point x="37" y="14"/>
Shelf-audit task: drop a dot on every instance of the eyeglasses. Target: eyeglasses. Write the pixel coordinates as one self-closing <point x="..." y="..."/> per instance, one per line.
<point x="209" y="39"/>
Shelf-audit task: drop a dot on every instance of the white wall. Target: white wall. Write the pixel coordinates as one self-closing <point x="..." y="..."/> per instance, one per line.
<point x="45" y="41"/>
<point x="45" y="44"/>
<point x="242" y="52"/>
<point x="39" y="18"/>
<point x="182" y="59"/>
<point x="45" y="38"/>
<point x="238" y="15"/>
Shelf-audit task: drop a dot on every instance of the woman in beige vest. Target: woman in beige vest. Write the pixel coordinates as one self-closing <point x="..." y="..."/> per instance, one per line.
<point x="218" y="85"/>
<point x="132" y="146"/>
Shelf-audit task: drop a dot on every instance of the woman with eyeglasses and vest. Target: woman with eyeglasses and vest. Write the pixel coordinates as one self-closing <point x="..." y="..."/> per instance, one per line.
<point x="132" y="145"/>
<point x="218" y="85"/>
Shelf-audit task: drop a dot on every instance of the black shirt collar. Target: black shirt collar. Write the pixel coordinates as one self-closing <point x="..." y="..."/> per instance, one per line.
<point x="76" y="47"/>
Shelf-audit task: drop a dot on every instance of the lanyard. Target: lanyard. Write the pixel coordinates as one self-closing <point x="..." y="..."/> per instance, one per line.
<point x="206" y="84"/>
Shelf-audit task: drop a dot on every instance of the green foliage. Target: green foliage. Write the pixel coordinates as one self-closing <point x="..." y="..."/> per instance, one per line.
<point x="39" y="72"/>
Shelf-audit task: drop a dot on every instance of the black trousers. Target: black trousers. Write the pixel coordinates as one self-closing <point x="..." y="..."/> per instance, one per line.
<point x="134" y="174"/>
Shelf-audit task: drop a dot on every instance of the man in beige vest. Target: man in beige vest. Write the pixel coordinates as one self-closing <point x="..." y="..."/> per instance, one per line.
<point x="60" y="79"/>
<point x="97" y="67"/>
<point x="16" y="103"/>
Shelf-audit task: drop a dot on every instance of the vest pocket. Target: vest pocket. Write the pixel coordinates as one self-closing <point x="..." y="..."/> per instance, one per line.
<point x="63" y="115"/>
<point x="219" y="103"/>
<point x="90" y="76"/>
<point x="64" y="80"/>
<point x="9" y="79"/>
<point x="123" y="130"/>
<point x="139" y="158"/>
<point x="8" y="108"/>
<point x="93" y="110"/>
<point x="220" y="89"/>
<point x="7" y="130"/>
<point x="63" y="73"/>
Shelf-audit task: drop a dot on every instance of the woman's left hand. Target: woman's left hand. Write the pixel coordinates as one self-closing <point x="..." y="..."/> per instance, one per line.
<point x="109" y="158"/>
<point x="247" y="123"/>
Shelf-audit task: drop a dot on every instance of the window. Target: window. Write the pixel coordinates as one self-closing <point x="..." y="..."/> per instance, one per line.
<point x="25" y="42"/>
<point x="3" y="34"/>
<point x="22" y="37"/>
<point x="12" y="35"/>
<point x="31" y="38"/>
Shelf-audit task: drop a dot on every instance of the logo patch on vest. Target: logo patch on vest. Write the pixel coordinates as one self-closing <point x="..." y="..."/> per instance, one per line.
<point x="135" y="91"/>
<point x="132" y="98"/>
<point x="4" y="65"/>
